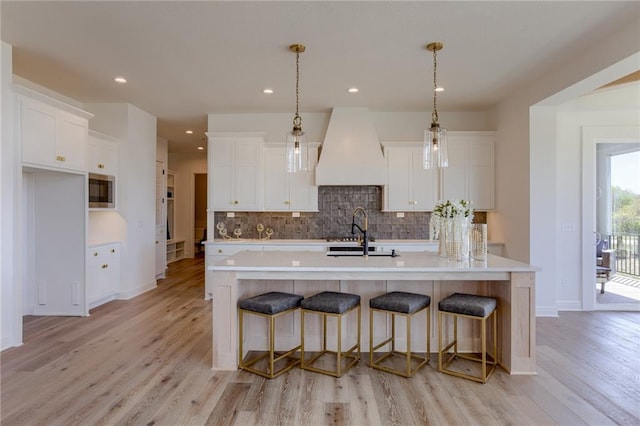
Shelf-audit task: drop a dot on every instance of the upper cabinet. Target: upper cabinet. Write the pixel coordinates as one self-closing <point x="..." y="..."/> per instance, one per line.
<point x="52" y="134"/>
<point x="471" y="171"/>
<point x="285" y="191"/>
<point x="410" y="187"/>
<point x="103" y="154"/>
<point x="236" y="171"/>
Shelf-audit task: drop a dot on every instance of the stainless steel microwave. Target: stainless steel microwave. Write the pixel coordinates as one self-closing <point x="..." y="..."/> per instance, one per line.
<point x="102" y="191"/>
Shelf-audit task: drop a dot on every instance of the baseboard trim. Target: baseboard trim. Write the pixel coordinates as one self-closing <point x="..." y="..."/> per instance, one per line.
<point x="137" y="291"/>
<point x="569" y="305"/>
<point x="546" y="311"/>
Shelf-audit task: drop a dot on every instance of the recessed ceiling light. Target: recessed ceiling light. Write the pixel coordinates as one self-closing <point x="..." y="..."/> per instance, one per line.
<point x="120" y="80"/>
<point x="268" y="91"/>
<point x="189" y="132"/>
<point x="353" y="90"/>
<point x="439" y="89"/>
<point x="201" y="148"/>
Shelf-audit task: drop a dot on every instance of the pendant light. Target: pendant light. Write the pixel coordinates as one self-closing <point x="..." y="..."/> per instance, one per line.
<point x="297" y="147"/>
<point x="435" y="138"/>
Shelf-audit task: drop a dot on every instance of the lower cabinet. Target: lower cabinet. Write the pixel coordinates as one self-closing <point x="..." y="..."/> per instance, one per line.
<point x="103" y="273"/>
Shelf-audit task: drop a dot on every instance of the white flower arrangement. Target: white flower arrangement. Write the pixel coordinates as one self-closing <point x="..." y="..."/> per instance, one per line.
<point x="445" y="210"/>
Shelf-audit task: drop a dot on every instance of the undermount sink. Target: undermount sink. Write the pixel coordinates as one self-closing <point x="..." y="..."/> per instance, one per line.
<point x="359" y="253"/>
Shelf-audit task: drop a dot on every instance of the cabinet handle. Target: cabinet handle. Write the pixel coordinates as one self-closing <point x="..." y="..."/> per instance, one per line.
<point x="101" y="166"/>
<point x="105" y="266"/>
<point x="113" y="250"/>
<point x="61" y="158"/>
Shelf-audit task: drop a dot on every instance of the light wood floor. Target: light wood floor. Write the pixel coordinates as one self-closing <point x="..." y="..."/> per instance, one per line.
<point x="147" y="361"/>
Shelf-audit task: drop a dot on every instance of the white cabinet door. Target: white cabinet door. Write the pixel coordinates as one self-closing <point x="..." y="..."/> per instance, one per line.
<point x="38" y="132"/>
<point x="52" y="137"/>
<point x="103" y="273"/>
<point x="471" y="171"/>
<point x="102" y="154"/>
<point x="411" y="187"/>
<point x="285" y="191"/>
<point x="236" y="173"/>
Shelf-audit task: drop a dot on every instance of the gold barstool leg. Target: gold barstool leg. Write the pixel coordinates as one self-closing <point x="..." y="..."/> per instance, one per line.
<point x="407" y="372"/>
<point x="487" y="367"/>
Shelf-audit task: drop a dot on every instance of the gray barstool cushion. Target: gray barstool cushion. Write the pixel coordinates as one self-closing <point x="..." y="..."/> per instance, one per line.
<point x="400" y="301"/>
<point x="271" y="303"/>
<point x="468" y="304"/>
<point x="331" y="302"/>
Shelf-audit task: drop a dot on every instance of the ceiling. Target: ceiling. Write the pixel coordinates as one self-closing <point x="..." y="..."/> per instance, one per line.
<point x="184" y="60"/>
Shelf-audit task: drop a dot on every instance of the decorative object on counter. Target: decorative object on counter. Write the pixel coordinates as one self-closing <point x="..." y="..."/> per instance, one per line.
<point x="222" y="230"/>
<point x="478" y="237"/>
<point x="297" y="147"/>
<point x="449" y="224"/>
<point x="269" y="233"/>
<point x="435" y="138"/>
<point x="237" y="232"/>
<point x="259" y="228"/>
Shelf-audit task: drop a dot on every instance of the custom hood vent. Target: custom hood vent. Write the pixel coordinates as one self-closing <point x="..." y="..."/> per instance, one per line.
<point x="351" y="152"/>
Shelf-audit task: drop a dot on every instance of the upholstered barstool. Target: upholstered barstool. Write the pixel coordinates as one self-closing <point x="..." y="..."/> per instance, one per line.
<point x="480" y="308"/>
<point x="406" y="305"/>
<point x="271" y="306"/>
<point x="337" y="305"/>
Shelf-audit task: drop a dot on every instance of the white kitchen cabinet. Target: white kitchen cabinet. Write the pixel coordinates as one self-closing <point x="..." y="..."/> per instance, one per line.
<point x="236" y="171"/>
<point x="52" y="134"/>
<point x="102" y="154"/>
<point x="471" y="172"/>
<point x="285" y="191"/>
<point x="410" y="187"/>
<point x="103" y="273"/>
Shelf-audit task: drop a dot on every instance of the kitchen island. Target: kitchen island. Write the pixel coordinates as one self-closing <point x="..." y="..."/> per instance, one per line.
<point x="249" y="273"/>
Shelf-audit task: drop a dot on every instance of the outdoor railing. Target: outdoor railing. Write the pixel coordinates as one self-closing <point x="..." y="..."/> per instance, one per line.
<point x="627" y="251"/>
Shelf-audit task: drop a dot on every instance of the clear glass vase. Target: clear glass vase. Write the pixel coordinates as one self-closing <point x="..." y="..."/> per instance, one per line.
<point x="457" y="238"/>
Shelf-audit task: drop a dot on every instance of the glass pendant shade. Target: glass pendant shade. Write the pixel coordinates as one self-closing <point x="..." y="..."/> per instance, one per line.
<point x="435" y="148"/>
<point x="297" y="151"/>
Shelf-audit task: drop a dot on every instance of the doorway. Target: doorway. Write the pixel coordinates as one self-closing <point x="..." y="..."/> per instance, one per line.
<point x="611" y="209"/>
<point x="199" y="212"/>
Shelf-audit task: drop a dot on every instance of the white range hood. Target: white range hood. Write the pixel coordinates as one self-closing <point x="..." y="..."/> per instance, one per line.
<point x="351" y="152"/>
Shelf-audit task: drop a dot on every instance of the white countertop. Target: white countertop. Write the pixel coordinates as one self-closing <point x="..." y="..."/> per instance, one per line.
<point x="413" y="262"/>
<point x="320" y="242"/>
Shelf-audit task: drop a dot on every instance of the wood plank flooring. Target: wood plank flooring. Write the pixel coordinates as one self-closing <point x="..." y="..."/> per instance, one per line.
<point x="148" y="361"/>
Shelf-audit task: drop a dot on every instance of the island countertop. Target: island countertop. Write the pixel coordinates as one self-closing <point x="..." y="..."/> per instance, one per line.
<point x="418" y="262"/>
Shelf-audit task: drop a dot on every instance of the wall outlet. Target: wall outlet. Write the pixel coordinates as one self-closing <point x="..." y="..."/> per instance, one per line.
<point x="231" y="214"/>
<point x="400" y="214"/>
<point x="295" y="214"/>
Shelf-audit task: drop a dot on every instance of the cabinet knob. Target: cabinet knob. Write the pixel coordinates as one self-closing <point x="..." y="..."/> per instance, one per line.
<point x="287" y="202"/>
<point x="61" y="158"/>
<point x="219" y="250"/>
<point x="113" y="250"/>
<point x="105" y="266"/>
<point x="95" y="253"/>
<point x="235" y="202"/>
<point x="101" y="166"/>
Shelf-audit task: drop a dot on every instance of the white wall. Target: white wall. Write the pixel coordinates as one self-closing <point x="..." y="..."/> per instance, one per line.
<point x="527" y="190"/>
<point x="396" y="126"/>
<point x="10" y="294"/>
<point x="136" y="130"/>
<point x="185" y="165"/>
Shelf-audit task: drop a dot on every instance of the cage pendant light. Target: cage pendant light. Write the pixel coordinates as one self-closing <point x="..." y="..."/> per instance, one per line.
<point x="435" y="138"/>
<point x="297" y="147"/>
